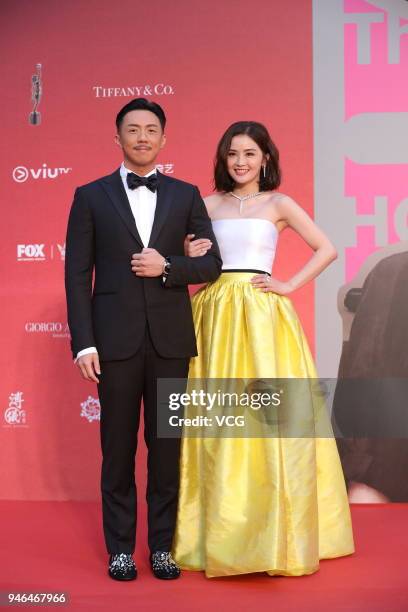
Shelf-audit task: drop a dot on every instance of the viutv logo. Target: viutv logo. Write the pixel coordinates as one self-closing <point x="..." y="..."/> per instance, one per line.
<point x="21" y="173"/>
<point x="15" y="415"/>
<point x="91" y="409"/>
<point x="38" y="252"/>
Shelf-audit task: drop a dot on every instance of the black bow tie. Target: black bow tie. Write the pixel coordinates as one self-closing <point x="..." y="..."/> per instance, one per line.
<point x="134" y="181"/>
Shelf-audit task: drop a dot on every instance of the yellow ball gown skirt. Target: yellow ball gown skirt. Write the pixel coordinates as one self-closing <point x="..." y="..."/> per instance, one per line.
<point x="274" y="504"/>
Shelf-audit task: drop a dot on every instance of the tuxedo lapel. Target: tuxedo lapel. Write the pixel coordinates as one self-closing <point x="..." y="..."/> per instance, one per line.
<point x="114" y="188"/>
<point x="164" y="195"/>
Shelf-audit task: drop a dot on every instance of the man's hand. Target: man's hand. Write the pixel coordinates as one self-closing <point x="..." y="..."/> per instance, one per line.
<point x="196" y="248"/>
<point x="148" y="263"/>
<point x="89" y="366"/>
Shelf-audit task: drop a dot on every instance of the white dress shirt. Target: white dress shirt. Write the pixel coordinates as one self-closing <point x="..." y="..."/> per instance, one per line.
<point x="143" y="205"/>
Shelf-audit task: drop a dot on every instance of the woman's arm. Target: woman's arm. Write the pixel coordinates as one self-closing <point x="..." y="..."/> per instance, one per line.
<point x="324" y="252"/>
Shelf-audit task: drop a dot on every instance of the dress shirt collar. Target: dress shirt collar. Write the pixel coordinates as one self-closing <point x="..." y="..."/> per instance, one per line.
<point x="124" y="172"/>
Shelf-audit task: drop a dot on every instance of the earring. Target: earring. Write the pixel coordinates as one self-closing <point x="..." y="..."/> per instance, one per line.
<point x="264" y="171"/>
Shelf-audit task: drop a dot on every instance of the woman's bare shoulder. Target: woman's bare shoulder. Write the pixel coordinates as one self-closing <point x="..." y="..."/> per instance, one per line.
<point x="281" y="202"/>
<point x="213" y="200"/>
<point x="276" y="197"/>
<point x="277" y="208"/>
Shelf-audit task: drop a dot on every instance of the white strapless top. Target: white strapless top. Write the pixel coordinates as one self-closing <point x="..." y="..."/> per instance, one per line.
<point x="246" y="244"/>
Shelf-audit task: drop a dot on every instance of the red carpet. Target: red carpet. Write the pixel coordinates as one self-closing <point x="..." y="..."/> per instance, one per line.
<point x="58" y="546"/>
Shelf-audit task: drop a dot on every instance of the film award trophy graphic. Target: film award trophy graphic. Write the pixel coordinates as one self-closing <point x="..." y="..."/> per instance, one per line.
<point x="36" y="93"/>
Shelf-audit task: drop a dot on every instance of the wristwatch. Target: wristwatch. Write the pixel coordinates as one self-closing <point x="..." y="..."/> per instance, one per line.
<point x="166" y="268"/>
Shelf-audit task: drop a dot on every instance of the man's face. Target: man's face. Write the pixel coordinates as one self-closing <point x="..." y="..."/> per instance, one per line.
<point x="141" y="137"/>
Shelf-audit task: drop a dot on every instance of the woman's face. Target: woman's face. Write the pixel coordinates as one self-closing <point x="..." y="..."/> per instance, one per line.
<point x="244" y="160"/>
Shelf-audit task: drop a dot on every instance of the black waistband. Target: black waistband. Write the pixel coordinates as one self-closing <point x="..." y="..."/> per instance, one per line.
<point x="246" y="270"/>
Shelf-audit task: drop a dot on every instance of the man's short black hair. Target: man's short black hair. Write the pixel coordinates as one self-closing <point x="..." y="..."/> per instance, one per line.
<point x="141" y="104"/>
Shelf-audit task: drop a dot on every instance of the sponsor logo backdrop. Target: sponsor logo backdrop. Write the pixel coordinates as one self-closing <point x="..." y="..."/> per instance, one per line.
<point x="326" y="76"/>
<point x="208" y="64"/>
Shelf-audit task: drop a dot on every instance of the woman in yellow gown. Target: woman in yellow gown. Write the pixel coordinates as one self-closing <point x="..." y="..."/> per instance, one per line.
<point x="256" y="504"/>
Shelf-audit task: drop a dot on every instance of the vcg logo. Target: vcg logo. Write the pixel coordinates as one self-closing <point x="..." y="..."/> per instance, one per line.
<point x="21" y="174"/>
<point x="30" y="252"/>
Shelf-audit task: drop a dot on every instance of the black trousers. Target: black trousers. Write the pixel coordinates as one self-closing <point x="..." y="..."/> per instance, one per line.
<point x="122" y="386"/>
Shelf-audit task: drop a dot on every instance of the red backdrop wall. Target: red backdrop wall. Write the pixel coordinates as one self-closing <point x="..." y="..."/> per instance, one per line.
<point x="208" y="64"/>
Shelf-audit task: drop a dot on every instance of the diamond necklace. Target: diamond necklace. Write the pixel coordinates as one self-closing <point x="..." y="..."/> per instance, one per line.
<point x="243" y="198"/>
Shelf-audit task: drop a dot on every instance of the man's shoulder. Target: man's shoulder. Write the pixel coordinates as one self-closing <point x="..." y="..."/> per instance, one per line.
<point x="96" y="183"/>
<point x="178" y="182"/>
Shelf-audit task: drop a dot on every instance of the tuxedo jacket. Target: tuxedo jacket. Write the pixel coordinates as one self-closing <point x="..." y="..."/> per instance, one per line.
<point x="108" y="305"/>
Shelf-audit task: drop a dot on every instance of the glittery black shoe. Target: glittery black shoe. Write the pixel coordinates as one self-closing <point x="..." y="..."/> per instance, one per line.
<point x="122" y="567"/>
<point x="163" y="566"/>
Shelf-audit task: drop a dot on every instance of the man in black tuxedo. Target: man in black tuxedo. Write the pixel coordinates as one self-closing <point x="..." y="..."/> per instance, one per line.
<point x="135" y="324"/>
